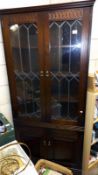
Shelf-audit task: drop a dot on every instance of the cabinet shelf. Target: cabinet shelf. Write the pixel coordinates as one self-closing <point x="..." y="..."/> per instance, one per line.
<point x="70" y="99"/>
<point x="65" y="46"/>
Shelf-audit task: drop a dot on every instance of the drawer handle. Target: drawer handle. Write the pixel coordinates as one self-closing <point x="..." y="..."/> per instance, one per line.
<point x="47" y="73"/>
<point x="41" y="73"/>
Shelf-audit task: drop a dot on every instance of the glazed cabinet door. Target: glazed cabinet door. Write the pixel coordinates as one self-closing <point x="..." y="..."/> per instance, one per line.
<point x="23" y="49"/>
<point x="67" y="61"/>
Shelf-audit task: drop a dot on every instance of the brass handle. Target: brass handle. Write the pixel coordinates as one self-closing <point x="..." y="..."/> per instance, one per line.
<point x="41" y="73"/>
<point x="47" y="73"/>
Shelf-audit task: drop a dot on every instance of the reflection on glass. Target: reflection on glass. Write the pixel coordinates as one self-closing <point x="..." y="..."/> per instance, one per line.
<point x="65" y="42"/>
<point x="24" y="41"/>
<point x="76" y="30"/>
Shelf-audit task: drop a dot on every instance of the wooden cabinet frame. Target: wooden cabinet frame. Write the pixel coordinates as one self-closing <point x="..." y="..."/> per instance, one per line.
<point x="42" y="15"/>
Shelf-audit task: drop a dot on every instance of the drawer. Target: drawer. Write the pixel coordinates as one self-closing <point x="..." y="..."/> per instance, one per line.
<point x="63" y="135"/>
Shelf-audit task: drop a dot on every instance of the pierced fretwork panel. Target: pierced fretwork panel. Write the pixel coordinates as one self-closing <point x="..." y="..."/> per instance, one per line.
<point x="24" y="41"/>
<point x="65" y="53"/>
<point x="67" y="14"/>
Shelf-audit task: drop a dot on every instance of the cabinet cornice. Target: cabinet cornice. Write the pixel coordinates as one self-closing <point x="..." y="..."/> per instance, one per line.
<point x="84" y="3"/>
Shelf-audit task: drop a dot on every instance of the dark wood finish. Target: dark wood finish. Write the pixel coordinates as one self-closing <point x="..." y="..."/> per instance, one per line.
<point x="13" y="19"/>
<point x="85" y="54"/>
<point x="31" y="123"/>
<point x="24" y="18"/>
<point x="84" y="3"/>
<point x="51" y="139"/>
<point x="47" y="64"/>
<point x="42" y="62"/>
<point x="65" y="14"/>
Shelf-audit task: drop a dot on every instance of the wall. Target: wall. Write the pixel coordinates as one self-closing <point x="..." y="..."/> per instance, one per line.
<point x="93" y="64"/>
<point x="5" y="103"/>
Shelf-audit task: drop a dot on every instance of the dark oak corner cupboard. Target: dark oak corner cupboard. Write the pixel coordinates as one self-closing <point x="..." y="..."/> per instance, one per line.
<point x="47" y="51"/>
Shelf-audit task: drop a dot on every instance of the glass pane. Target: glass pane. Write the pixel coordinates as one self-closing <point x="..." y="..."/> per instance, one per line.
<point x="64" y="110"/>
<point x="65" y="58"/>
<point x="73" y="110"/>
<point x="26" y="68"/>
<point x="54" y="55"/>
<point x="55" y="87"/>
<point x="23" y="36"/>
<point x="34" y="60"/>
<point x="65" y="33"/>
<point x="74" y="87"/>
<point x="64" y="87"/>
<point x="56" y="110"/>
<point x="75" y="60"/>
<point x="16" y="55"/>
<point x="33" y="35"/>
<point x="20" y="94"/>
<point x="25" y="61"/>
<point x="65" y="55"/>
<point x="76" y="30"/>
<point x="54" y="34"/>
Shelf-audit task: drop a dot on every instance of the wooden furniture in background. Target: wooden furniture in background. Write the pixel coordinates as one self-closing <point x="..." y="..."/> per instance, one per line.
<point x="89" y="124"/>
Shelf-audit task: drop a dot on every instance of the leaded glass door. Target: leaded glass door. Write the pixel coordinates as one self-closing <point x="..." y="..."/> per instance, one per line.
<point x="65" y="38"/>
<point x="28" y="70"/>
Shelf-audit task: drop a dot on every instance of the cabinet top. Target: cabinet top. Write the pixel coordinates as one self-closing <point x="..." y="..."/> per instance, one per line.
<point x="81" y="3"/>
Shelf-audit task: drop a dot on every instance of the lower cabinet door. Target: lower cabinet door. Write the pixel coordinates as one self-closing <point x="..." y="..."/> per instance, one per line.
<point x="33" y="138"/>
<point x="62" y="147"/>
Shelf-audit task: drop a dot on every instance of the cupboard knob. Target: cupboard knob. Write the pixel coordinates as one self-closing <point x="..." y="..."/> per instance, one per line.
<point x="81" y="112"/>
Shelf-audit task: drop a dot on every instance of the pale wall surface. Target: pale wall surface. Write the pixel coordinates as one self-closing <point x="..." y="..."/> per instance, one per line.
<point x="5" y="103"/>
